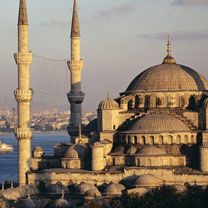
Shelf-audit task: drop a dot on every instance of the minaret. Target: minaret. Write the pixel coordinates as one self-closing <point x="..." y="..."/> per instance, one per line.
<point x="75" y="96"/>
<point x="23" y="95"/>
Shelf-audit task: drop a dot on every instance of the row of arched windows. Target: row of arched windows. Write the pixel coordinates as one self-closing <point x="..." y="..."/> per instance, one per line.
<point x="160" y="162"/>
<point x="169" y="139"/>
<point x="153" y="101"/>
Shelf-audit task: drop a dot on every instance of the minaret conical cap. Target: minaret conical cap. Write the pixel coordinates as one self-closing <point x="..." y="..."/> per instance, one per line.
<point x="169" y="59"/>
<point x="22" y="20"/>
<point x="75" y="32"/>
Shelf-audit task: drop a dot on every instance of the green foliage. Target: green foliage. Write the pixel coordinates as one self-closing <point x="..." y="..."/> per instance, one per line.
<point x="162" y="197"/>
<point x="92" y="204"/>
<point x="130" y="201"/>
<point x="116" y="204"/>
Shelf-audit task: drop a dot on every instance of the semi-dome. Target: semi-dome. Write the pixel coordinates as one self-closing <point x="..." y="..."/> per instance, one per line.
<point x="76" y="151"/>
<point x="114" y="189"/>
<point x="91" y="193"/>
<point x="168" y="78"/>
<point x="108" y="104"/>
<point x="157" y="123"/>
<point x="148" y="181"/>
<point x="56" y="189"/>
<point x="83" y="187"/>
<point x="151" y="150"/>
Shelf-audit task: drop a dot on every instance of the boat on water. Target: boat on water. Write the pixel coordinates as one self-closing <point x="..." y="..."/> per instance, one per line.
<point x="5" y="147"/>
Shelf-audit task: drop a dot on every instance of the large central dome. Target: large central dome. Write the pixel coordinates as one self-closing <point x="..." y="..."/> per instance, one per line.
<point x="167" y="78"/>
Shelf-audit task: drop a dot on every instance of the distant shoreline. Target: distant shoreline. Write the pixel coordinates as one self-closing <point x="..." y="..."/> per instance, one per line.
<point x="38" y="132"/>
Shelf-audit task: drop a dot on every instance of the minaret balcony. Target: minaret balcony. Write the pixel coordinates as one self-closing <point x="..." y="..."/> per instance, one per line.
<point x="23" y="58"/>
<point x="76" y="65"/>
<point x="23" y="133"/>
<point x="76" y="97"/>
<point x="23" y="96"/>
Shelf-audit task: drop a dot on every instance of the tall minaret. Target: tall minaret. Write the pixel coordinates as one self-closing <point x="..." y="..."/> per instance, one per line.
<point x="23" y="95"/>
<point x="75" y="96"/>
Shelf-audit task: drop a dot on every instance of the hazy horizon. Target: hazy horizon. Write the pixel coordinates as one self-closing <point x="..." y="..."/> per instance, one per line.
<point x="119" y="39"/>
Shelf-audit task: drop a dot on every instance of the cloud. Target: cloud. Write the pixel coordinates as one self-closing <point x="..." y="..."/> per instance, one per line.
<point x="190" y="2"/>
<point x="54" y="23"/>
<point x="116" y="11"/>
<point x="178" y="35"/>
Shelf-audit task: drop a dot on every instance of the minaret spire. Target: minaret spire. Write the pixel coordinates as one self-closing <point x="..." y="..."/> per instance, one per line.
<point x="76" y="65"/>
<point x="75" y="31"/>
<point x="22" y="20"/>
<point x="169" y="59"/>
<point x="23" y="95"/>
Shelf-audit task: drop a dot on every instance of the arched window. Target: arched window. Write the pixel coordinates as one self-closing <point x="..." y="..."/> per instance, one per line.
<point x="147" y="101"/>
<point x="138" y="162"/>
<point x="130" y="105"/>
<point x="178" y="139"/>
<point x="158" y="102"/>
<point x="186" y="141"/>
<point x="192" y="139"/>
<point x="135" y="139"/>
<point x="114" y="127"/>
<point x="129" y="140"/>
<point x="143" y="140"/>
<point x="137" y="102"/>
<point x="170" y="139"/>
<point x="152" y="140"/>
<point x="148" y="162"/>
<point x="160" y="139"/>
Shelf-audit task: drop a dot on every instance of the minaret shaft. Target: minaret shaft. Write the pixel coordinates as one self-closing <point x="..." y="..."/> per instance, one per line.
<point x="76" y="65"/>
<point x="23" y="95"/>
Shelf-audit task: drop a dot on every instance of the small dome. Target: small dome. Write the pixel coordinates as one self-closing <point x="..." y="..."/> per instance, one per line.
<point x="26" y="203"/>
<point x="91" y="193"/>
<point x="139" y="191"/>
<point x="14" y="194"/>
<point x="151" y="150"/>
<point x="71" y="153"/>
<point x="38" y="149"/>
<point x="83" y="187"/>
<point x="114" y="189"/>
<point x="108" y="104"/>
<point x="132" y="150"/>
<point x="56" y="189"/>
<point x="148" y="181"/>
<point x="76" y="151"/>
<point x="157" y="123"/>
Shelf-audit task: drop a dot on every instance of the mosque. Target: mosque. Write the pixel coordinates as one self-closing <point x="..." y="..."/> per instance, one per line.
<point x="154" y="133"/>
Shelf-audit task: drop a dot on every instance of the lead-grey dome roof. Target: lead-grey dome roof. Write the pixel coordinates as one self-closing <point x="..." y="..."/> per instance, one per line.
<point x="167" y="78"/>
<point x="157" y="123"/>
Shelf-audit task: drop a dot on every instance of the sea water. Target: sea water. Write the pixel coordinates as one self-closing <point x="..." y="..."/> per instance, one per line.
<point x="8" y="161"/>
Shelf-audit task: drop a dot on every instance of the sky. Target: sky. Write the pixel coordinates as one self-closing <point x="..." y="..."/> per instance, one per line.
<point x="119" y="39"/>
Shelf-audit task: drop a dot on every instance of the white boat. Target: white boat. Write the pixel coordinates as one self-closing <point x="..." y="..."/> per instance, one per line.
<point x="5" y="147"/>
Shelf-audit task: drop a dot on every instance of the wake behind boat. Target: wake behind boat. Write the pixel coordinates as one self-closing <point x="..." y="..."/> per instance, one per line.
<point x="5" y="147"/>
